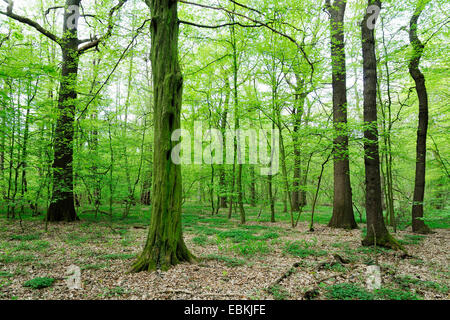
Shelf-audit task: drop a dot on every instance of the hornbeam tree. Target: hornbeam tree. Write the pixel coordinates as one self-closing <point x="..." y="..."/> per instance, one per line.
<point x="418" y="225"/>
<point x="343" y="216"/>
<point x="377" y="232"/>
<point x="62" y="206"/>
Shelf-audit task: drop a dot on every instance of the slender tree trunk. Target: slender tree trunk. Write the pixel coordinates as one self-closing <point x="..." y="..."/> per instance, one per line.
<point x="376" y="229"/>
<point x="223" y="124"/>
<point x="237" y="148"/>
<point x="298" y="113"/>
<point x="343" y="216"/>
<point x="418" y="224"/>
<point x="252" y="186"/>
<point x="165" y="246"/>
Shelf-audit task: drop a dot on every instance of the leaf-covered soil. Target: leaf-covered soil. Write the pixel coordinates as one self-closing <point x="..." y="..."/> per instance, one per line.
<point x="260" y="260"/>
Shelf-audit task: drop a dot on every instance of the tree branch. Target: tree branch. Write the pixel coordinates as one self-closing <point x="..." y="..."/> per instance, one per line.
<point x="266" y="25"/>
<point x="9" y="13"/>
<point x="108" y="33"/>
<point x="220" y="25"/>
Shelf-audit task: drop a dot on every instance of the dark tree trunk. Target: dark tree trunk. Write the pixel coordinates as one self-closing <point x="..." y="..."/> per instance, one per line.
<point x="252" y="186"/>
<point x="165" y="246"/>
<point x="62" y="204"/>
<point x="377" y="232"/>
<point x="343" y="216"/>
<point x="418" y="225"/>
<point x="298" y="113"/>
<point x="223" y="124"/>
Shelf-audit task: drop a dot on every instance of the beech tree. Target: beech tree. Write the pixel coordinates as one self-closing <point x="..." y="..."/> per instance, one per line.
<point x="418" y="224"/>
<point x="62" y="206"/>
<point x="343" y="216"/>
<point x="377" y="232"/>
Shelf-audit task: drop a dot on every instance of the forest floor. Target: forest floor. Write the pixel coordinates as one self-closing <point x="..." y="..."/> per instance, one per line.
<point x="260" y="260"/>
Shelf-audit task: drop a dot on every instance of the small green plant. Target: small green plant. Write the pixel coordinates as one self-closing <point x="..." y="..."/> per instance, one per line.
<point x="303" y="249"/>
<point x="407" y="281"/>
<point x="200" y="240"/>
<point x="334" y="267"/>
<point x="76" y="239"/>
<point x="8" y="258"/>
<point x="249" y="248"/>
<point x="5" y="274"/>
<point x="229" y="261"/>
<point x="236" y="236"/>
<point x="347" y="291"/>
<point x="117" y="256"/>
<point x="411" y="239"/>
<point x="39" y="283"/>
<point x="26" y="237"/>
<point x="268" y="235"/>
<point x="114" y="292"/>
<point x="37" y="245"/>
<point x="278" y="292"/>
<point x="395" y="294"/>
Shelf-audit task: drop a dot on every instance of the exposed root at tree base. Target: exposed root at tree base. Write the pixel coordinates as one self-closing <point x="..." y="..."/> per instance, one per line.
<point x="423" y="230"/>
<point x="152" y="259"/>
<point x="386" y="242"/>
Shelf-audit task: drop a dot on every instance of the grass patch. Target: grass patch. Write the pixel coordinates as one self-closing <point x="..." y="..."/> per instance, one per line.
<point x="278" y="292"/>
<point x="200" y="240"/>
<point x="407" y="281"/>
<point x="117" y="256"/>
<point x="250" y="248"/>
<point x="39" y="283"/>
<point x="8" y="258"/>
<point x="350" y="291"/>
<point x="347" y="291"/>
<point x="26" y="237"/>
<point x="303" y="249"/>
<point x="37" y="245"/>
<point x="413" y="239"/>
<point x="229" y="261"/>
<point x="6" y="274"/>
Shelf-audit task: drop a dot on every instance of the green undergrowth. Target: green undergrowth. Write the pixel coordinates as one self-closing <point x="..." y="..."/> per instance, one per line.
<point x="39" y="283"/>
<point x="350" y="291"/>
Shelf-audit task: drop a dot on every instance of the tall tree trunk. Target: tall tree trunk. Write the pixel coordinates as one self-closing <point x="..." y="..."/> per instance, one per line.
<point x="343" y="216"/>
<point x="165" y="246"/>
<point x="240" y="201"/>
<point x="418" y="224"/>
<point x="376" y="229"/>
<point x="298" y="113"/>
<point x="62" y="204"/>
<point x="223" y="124"/>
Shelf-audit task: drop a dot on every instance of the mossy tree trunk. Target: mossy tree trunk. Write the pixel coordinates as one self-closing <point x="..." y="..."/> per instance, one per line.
<point x="165" y="246"/>
<point x="62" y="206"/>
<point x="377" y="232"/>
<point x="418" y="225"/>
<point x="343" y="216"/>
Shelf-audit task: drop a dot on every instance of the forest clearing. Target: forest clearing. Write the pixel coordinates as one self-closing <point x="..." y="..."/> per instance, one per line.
<point x="224" y="150"/>
<point x="234" y="262"/>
